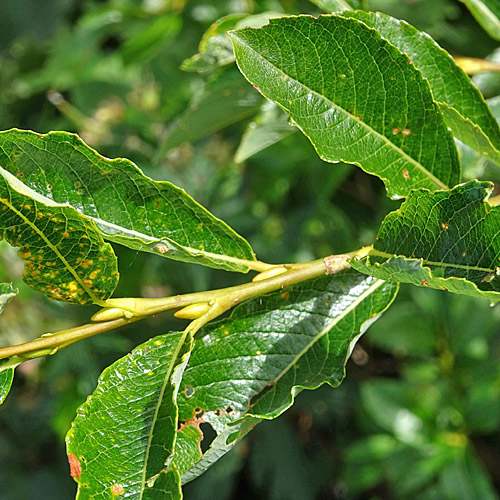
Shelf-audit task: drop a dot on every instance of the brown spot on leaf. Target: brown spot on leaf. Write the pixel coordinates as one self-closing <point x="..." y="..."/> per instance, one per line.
<point x="406" y="175"/>
<point x="406" y="131"/>
<point x="75" y="469"/>
<point x="444" y="225"/>
<point x="425" y="283"/>
<point x="117" y="489"/>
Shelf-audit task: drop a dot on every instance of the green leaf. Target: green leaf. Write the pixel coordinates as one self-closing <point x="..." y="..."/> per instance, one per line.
<point x="215" y="49"/>
<point x="6" y="379"/>
<point x="447" y="240"/>
<point x="358" y="102"/>
<point x="332" y="5"/>
<point x="7" y="293"/>
<point x="487" y="14"/>
<point x="64" y="253"/>
<point x="461" y="103"/>
<point x="268" y="128"/>
<point x="124" y="434"/>
<point x="252" y="365"/>
<point x="224" y="100"/>
<point x="128" y="207"/>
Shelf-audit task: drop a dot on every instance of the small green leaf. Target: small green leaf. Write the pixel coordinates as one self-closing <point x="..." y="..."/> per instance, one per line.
<point x="252" y="365"/>
<point x="128" y="207"/>
<point x="64" y="254"/>
<point x="362" y="103"/>
<point x="446" y="240"/>
<point x="225" y="100"/>
<point x="461" y="103"/>
<point x="268" y="128"/>
<point x="134" y="397"/>
<point x="332" y="5"/>
<point x="7" y="293"/>
<point x="487" y="14"/>
<point x="6" y="379"/>
<point x="215" y="49"/>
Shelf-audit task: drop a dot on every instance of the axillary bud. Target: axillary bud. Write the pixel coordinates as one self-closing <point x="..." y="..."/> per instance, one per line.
<point x="194" y="311"/>
<point x="270" y="273"/>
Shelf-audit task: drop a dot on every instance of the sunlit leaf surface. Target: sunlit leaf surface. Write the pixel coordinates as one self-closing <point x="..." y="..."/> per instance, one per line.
<point x="448" y="240"/>
<point x="128" y="207"/>
<point x="362" y="103"/>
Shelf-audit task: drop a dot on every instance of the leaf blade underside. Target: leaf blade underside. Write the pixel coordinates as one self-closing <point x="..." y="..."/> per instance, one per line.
<point x="356" y="102"/>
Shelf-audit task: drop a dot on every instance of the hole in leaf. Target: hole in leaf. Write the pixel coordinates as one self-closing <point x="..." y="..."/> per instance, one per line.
<point x="209" y="435"/>
<point x="189" y="391"/>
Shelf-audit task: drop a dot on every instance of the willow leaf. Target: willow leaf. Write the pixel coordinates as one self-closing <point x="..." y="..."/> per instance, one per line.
<point x="7" y="293"/>
<point x="487" y="14"/>
<point x="64" y="254"/>
<point x="361" y="103"/>
<point x="446" y="240"/>
<point x="128" y="207"/>
<point x="225" y="100"/>
<point x="269" y="127"/>
<point x="252" y="365"/>
<point x="463" y="106"/>
<point x="134" y="397"/>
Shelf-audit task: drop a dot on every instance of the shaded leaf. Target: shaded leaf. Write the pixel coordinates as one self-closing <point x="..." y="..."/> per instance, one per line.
<point x="461" y="103"/>
<point x="487" y="14"/>
<point x="357" y="102"/>
<point x="6" y="379"/>
<point x="225" y="100"/>
<point x="215" y="49"/>
<point x="268" y="128"/>
<point x="128" y="207"/>
<point x="446" y="240"/>
<point x="135" y="396"/>
<point x="332" y="5"/>
<point x="7" y="293"/>
<point x="64" y="254"/>
<point x="252" y="365"/>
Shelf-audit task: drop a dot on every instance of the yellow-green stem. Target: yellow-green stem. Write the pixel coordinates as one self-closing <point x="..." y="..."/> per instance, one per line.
<point x="222" y="299"/>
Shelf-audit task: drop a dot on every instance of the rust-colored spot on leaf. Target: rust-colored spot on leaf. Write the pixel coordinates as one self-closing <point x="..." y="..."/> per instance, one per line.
<point x="425" y="283"/>
<point x="117" y="489"/>
<point x="285" y="295"/>
<point x="75" y="469"/>
<point x="406" y="175"/>
<point x="406" y="131"/>
<point x="65" y="234"/>
<point x="444" y="225"/>
<point x="395" y="131"/>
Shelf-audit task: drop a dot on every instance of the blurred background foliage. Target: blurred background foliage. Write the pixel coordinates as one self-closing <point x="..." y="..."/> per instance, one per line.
<point x="418" y="416"/>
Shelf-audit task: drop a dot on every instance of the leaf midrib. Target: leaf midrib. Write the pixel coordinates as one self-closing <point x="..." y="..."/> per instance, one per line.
<point x="466" y="267"/>
<point x="419" y="166"/>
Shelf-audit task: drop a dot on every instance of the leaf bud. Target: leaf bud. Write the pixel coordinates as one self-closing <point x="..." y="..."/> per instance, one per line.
<point x="194" y="311"/>
<point x="270" y="273"/>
